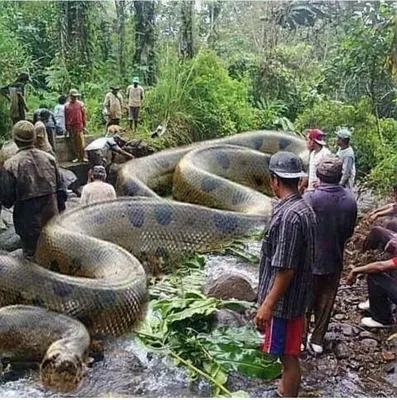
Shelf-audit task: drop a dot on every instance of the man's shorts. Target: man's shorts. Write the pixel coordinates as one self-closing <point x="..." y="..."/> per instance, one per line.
<point x="283" y="336"/>
<point x="133" y="113"/>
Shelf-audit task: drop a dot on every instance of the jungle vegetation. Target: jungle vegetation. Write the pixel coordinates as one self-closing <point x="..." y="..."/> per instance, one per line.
<point x="213" y="68"/>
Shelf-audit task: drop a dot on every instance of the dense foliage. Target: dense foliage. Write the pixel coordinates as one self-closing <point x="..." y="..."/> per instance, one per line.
<point x="212" y="68"/>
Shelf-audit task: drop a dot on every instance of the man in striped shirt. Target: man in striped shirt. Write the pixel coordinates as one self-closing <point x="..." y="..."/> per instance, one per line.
<point x="286" y="270"/>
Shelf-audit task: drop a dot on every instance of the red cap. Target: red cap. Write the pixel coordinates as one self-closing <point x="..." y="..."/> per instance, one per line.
<point x="317" y="135"/>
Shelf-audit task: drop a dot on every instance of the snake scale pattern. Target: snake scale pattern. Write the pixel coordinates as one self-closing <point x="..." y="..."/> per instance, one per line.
<point x="87" y="278"/>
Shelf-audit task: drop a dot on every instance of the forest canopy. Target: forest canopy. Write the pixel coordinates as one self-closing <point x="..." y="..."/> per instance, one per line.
<point x="213" y="68"/>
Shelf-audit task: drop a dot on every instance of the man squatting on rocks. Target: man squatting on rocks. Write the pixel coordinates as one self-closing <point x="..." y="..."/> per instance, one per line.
<point x="286" y="270"/>
<point x="30" y="181"/>
<point x="336" y="211"/>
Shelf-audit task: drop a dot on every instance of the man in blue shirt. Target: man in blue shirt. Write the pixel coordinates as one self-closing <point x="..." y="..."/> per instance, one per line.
<point x="336" y="211"/>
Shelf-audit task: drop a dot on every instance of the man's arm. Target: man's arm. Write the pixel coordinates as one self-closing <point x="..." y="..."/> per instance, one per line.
<point x="5" y="92"/>
<point x="7" y="188"/>
<point x="281" y="283"/>
<point x="373" y="268"/>
<point x="83" y="114"/>
<point x="386" y="211"/>
<point x="119" y="150"/>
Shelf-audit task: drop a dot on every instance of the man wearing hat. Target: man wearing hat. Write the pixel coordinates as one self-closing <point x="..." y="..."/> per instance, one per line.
<point x="97" y="190"/>
<point x="113" y="106"/>
<point x="336" y="211"/>
<point x="346" y="154"/>
<point x="317" y="147"/>
<point x="75" y="119"/>
<point x="29" y="181"/>
<point x="135" y="95"/>
<point x="285" y="273"/>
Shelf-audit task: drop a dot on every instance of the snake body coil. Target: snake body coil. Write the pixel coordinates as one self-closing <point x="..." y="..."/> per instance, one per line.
<point x="87" y="263"/>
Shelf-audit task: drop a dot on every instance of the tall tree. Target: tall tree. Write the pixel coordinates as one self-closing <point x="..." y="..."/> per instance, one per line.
<point x="120" y="13"/>
<point x="186" y="45"/>
<point x="145" y="39"/>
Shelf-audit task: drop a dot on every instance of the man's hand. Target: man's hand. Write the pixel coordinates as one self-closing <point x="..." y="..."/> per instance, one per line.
<point x="352" y="277"/>
<point x="263" y="315"/>
<point x="372" y="218"/>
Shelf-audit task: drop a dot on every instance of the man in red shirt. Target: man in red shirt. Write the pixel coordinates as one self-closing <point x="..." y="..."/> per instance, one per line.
<point x="382" y="291"/>
<point x="75" y="119"/>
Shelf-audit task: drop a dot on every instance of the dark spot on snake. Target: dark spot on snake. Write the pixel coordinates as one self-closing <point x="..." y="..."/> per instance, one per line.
<point x="75" y="265"/>
<point x="164" y="163"/>
<point x="225" y="223"/>
<point x="137" y="216"/>
<point x="86" y="320"/>
<point x="99" y="219"/>
<point x="161" y="252"/>
<point x="222" y="158"/>
<point x="37" y="301"/>
<point x="238" y="198"/>
<point x="257" y="142"/>
<point x="61" y="289"/>
<point x="283" y="143"/>
<point x="106" y="299"/>
<point x="258" y="180"/>
<point x="209" y="184"/>
<point x="163" y="214"/>
<point x="130" y="188"/>
<point x="54" y="266"/>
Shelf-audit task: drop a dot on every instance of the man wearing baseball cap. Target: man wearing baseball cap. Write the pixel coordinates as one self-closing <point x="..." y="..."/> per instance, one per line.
<point x="317" y="147"/>
<point x="336" y="211"/>
<point x="346" y="154"/>
<point x="285" y="273"/>
<point x="135" y="94"/>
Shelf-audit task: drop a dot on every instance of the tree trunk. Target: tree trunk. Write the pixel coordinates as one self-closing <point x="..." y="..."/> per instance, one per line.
<point x="214" y="12"/>
<point x="145" y="39"/>
<point x="187" y="41"/>
<point x="120" y="12"/>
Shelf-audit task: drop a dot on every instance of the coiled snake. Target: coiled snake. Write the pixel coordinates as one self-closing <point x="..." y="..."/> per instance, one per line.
<point x="86" y="267"/>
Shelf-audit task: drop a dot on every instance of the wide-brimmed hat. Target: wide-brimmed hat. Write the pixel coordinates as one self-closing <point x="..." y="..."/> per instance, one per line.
<point x="74" y="93"/>
<point x="135" y="79"/>
<point x="23" y="131"/>
<point x="115" y="87"/>
<point x="286" y="165"/>
<point x="317" y="136"/>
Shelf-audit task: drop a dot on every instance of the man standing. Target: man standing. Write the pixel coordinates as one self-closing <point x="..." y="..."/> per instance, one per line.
<point x="41" y="142"/>
<point x="135" y="95"/>
<point x="286" y="270"/>
<point x="15" y="93"/>
<point x="75" y="119"/>
<point x="97" y="190"/>
<point x="317" y="147"/>
<point x="336" y="211"/>
<point x="29" y="181"/>
<point x="346" y="154"/>
<point x="382" y="291"/>
<point x="113" y="106"/>
<point x="59" y="115"/>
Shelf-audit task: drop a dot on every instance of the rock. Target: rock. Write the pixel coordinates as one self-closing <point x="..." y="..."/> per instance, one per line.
<point x="369" y="343"/>
<point x="390" y="369"/>
<point x="229" y="318"/>
<point x="230" y="285"/>
<point x="341" y="351"/>
<point x="367" y="335"/>
<point x="388" y="356"/>
<point x="346" y="329"/>
<point x="331" y="339"/>
<point x="9" y="240"/>
<point x="339" y="317"/>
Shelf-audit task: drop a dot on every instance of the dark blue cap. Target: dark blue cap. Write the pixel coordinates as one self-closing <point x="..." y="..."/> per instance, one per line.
<point x="286" y="165"/>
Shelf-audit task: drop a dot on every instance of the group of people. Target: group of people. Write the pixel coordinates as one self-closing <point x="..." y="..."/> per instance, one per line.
<point x="302" y="254"/>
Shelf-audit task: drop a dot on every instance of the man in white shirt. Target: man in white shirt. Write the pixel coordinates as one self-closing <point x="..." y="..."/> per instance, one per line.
<point x="113" y="106"/>
<point x="97" y="190"/>
<point x="346" y="154"/>
<point x="317" y="146"/>
<point x="135" y="94"/>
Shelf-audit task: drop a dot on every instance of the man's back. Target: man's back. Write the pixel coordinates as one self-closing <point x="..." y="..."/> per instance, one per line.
<point x="336" y="211"/>
<point x="33" y="173"/>
<point x="97" y="191"/>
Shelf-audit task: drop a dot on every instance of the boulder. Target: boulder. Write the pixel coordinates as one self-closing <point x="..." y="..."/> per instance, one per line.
<point x="230" y="285"/>
<point x="9" y="240"/>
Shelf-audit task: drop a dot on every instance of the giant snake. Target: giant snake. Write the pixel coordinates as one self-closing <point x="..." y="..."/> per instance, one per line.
<point x="86" y="278"/>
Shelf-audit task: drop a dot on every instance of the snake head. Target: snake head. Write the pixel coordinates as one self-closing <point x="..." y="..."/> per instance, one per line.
<point x="61" y="370"/>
